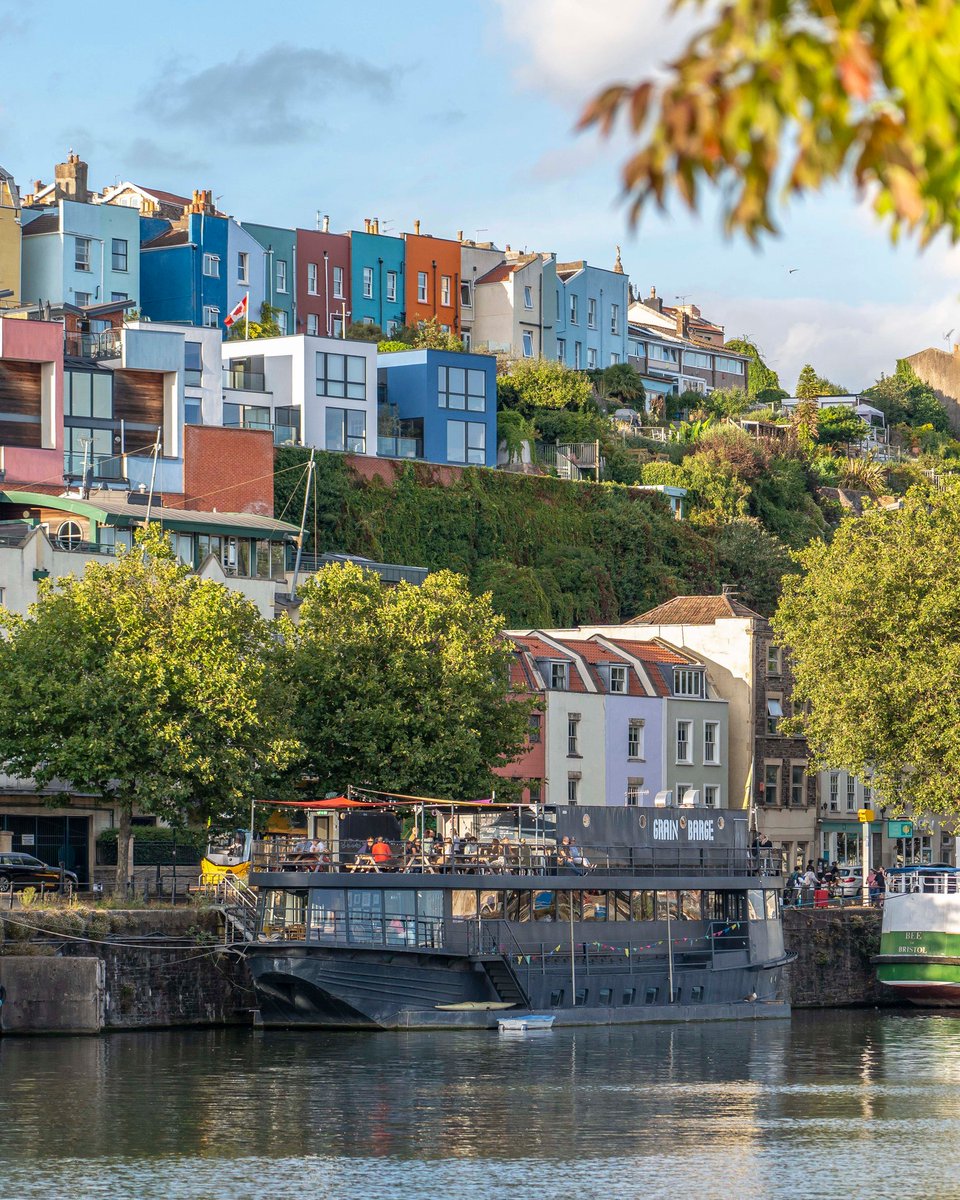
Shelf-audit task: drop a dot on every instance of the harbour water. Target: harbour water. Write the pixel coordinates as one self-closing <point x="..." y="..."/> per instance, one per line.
<point x="853" y="1103"/>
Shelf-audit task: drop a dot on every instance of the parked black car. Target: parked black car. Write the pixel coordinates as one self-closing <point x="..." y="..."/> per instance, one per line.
<point x="23" y="870"/>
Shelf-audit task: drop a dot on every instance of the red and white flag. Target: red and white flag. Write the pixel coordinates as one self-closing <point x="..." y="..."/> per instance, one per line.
<point x="238" y="312"/>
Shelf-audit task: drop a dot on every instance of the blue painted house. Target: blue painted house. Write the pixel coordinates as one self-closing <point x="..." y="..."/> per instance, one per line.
<point x="591" y="315"/>
<point x="377" y="263"/>
<point x="438" y="405"/>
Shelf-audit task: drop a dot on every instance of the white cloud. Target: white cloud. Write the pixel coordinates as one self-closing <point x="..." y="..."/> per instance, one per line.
<point x="850" y="344"/>
<point x="572" y="48"/>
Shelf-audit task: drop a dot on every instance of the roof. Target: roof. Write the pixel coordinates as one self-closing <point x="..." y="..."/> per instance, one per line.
<point x="164" y="197"/>
<point x="112" y="508"/>
<point x="500" y="272"/>
<point x="48" y="223"/>
<point x="169" y="237"/>
<point x="695" y="610"/>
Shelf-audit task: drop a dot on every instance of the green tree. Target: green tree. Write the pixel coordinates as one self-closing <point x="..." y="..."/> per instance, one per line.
<point x="810" y="385"/>
<point x="267" y="327"/>
<point x="840" y="426"/>
<point x="783" y="98"/>
<point x="624" y="383"/>
<point x="431" y="335"/>
<point x="753" y="560"/>
<point x="403" y="688"/>
<point x="358" y="331"/>
<point x="873" y="627"/>
<point x="543" y="383"/>
<point x="164" y="697"/>
<point x="905" y="399"/>
<point x="763" y="383"/>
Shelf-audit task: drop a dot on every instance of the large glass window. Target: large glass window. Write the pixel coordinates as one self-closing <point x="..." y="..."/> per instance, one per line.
<point x="365" y="915"/>
<point x="328" y="915"/>
<point x="81" y="254"/>
<point x="466" y="442"/>
<point x="687" y="683"/>
<point x="346" y="430"/>
<point x="342" y="375"/>
<point x="460" y="388"/>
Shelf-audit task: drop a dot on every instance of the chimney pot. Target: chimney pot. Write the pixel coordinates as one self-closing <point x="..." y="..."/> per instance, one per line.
<point x="416" y="226"/>
<point x="376" y="224"/>
<point x="326" y="224"/>
<point x="459" y="235"/>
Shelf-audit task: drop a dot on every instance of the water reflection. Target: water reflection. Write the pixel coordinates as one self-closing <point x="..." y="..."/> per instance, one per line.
<point x="767" y="1109"/>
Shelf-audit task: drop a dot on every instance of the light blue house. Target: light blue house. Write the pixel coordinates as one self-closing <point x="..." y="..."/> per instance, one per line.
<point x="438" y="405"/>
<point x="271" y="262"/>
<point x="80" y="253"/>
<point x="377" y="278"/>
<point x="591" y="315"/>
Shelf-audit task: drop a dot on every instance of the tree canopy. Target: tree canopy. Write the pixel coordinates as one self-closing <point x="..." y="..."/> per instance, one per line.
<point x="905" y="399"/>
<point x="542" y="383"/>
<point x="810" y="385"/>
<point x="763" y="383"/>
<point x="146" y="686"/>
<point x="403" y="689"/>
<point x="784" y="96"/>
<point x="267" y="327"/>
<point x="873" y="627"/>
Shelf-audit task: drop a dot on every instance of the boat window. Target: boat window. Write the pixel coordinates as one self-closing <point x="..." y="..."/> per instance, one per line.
<point x="491" y="904"/>
<point x="696" y="995"/>
<point x="755" y="911"/>
<point x="606" y="995"/>
<point x="569" y="906"/>
<point x="735" y="906"/>
<point x="544" y="906"/>
<point x="399" y="916"/>
<point x="689" y="906"/>
<point x="595" y="906"/>
<point x="618" y="906"/>
<point x="365" y="915"/>
<point x="464" y="904"/>
<point x="328" y="915"/>
<point x="430" y="917"/>
<point x="285" y="914"/>
<point x="641" y="906"/>
<point x="770" y="900"/>
<point x="666" y="906"/>
<point x="580" y="998"/>
<point x="517" y="906"/>
<point x="556" y="998"/>
<point x="629" y="996"/>
<point x="651" y="995"/>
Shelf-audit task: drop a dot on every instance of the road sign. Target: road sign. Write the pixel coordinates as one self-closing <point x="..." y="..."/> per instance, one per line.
<point x="899" y="829"/>
<point x="865" y="815"/>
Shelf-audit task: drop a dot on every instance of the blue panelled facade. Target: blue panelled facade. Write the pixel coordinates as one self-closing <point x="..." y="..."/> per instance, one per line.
<point x="438" y="405"/>
<point x="377" y="280"/>
<point x="591" y="316"/>
<point x="273" y="274"/>
<point x="183" y="270"/>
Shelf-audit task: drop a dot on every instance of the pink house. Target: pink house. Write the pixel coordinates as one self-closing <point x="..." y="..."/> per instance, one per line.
<point x="31" y="402"/>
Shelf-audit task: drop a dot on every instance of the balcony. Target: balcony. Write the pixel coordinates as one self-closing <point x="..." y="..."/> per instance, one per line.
<point x="399" y="447"/>
<point x="283" y="435"/>
<point x="104" y="466"/>
<point x="240" y="380"/>
<point x="106" y="344"/>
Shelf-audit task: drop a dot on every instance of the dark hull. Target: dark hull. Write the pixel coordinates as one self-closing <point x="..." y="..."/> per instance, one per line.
<point x="341" y="988"/>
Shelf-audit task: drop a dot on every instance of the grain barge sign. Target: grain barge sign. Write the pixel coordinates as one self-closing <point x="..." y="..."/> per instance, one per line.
<point x="684" y="829"/>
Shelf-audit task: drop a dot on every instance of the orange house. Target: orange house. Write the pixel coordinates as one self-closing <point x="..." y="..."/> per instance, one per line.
<point x="432" y="274"/>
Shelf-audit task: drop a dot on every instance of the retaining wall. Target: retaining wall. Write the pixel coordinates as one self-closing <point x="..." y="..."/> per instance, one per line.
<point x="833" y="948"/>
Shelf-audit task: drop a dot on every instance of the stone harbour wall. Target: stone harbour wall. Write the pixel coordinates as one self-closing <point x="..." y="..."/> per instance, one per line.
<point x="188" y="978"/>
<point x="833" y="948"/>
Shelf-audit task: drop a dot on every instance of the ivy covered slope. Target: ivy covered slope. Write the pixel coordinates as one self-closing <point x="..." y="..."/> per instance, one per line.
<point x="551" y="552"/>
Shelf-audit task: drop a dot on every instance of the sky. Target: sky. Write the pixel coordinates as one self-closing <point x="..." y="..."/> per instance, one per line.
<point x="462" y="116"/>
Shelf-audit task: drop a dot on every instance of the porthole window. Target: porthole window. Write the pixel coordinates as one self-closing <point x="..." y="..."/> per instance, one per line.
<point x="69" y="535"/>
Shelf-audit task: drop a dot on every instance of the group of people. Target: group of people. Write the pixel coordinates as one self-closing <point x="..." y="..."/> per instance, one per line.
<point x="432" y="854"/>
<point x="810" y="887"/>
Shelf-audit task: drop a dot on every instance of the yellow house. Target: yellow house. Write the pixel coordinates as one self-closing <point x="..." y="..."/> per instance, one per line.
<point x="9" y="240"/>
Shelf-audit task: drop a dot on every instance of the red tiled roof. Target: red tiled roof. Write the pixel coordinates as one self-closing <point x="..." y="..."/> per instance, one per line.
<point x="501" y="272"/>
<point x="651" y="651"/>
<point x="694" y="610"/>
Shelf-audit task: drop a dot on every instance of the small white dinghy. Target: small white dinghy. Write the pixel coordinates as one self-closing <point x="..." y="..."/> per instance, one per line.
<point x="526" y="1024"/>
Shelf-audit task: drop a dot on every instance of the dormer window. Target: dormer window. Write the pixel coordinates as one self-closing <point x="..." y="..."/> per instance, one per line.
<point x="558" y="676"/>
<point x="618" y="680"/>
<point x="687" y="682"/>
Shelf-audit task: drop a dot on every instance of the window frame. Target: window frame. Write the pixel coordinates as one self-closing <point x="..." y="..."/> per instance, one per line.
<point x="124" y="254"/>
<point x="366" y="283"/>
<point x="636" y="737"/>
<point x="686" y="724"/>
<point x="711" y="744"/>
<point x="81" y="254"/>
<point x="423" y="288"/>
<point x="211" y="265"/>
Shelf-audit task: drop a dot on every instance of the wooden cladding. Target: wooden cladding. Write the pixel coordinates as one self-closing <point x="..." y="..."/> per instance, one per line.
<point x="138" y="398"/>
<point x="20" y="407"/>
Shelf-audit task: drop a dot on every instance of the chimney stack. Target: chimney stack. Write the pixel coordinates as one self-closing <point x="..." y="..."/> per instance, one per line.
<point x="653" y="301"/>
<point x="375" y="228"/>
<point x="326" y="224"/>
<point x="416" y="227"/>
<point x="366" y="224"/>
<point x="459" y="235"/>
<point x="683" y="323"/>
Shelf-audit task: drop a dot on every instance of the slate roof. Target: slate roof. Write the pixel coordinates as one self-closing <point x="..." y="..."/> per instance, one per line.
<point x="169" y="237"/>
<point x="48" y="223"/>
<point x="694" y="610"/>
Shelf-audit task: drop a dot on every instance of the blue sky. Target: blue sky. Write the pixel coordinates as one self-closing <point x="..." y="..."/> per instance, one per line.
<point x="461" y="116"/>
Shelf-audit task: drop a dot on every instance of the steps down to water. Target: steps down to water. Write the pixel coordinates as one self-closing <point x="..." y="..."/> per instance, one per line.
<point x="505" y="982"/>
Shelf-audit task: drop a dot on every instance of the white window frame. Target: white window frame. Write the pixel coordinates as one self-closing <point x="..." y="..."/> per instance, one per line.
<point x="615" y="319"/>
<point x="684" y="743"/>
<point x="689" y="681"/>
<point x="620" y="677"/>
<point x="574" y="309"/>
<point x="282" y="275"/>
<point x="634" y="789"/>
<point x="81" y="254"/>
<point x="559" y="671"/>
<point x="711" y="743"/>
<point x="211" y="316"/>
<point x="367" y="287"/>
<point x="313" y="325"/>
<point x="392" y="286"/>
<point x="423" y="293"/>
<point x="591" y="358"/>
<point x="591" y="312"/>
<point x="313" y="279"/>
<point x="851" y="793"/>
<point x="527" y="336"/>
<point x="466" y="294"/>
<point x="211" y="266"/>
<point x="243" y="266"/>
<point x="834" y="795"/>
<point x="573" y="789"/>
<point x="338" y="283"/>
<point x="573" y="735"/>
<point x="445" y="283"/>
<point x="711" y="795"/>
<point x="528" y="297"/>
<point x="561" y="349"/>
<point x="577" y="355"/>
<point x="636" y="750"/>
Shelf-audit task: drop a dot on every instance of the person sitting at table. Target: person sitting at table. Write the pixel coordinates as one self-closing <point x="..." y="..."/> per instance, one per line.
<point x="496" y="854"/>
<point x="364" y="859"/>
<point x="577" y="858"/>
<point x="413" y="856"/>
<point x="381" y="853"/>
<point x="448" y="855"/>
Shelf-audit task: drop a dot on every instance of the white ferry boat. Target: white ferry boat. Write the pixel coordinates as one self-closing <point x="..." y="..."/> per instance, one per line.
<point x="920" y="939"/>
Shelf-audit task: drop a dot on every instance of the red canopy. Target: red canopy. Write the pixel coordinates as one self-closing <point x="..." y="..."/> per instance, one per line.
<point x="336" y="802"/>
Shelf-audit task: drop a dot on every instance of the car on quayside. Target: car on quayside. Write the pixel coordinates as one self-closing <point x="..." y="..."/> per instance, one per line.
<point x="18" y="870"/>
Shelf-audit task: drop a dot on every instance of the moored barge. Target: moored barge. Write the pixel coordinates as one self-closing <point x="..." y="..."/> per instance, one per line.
<point x="600" y="915"/>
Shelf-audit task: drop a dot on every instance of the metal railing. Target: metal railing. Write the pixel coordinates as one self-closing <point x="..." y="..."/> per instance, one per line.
<point x="244" y="381"/>
<point x="104" y="466"/>
<point x="108" y="343"/>
<point x="388" y="572"/>
<point x="512" y="858"/>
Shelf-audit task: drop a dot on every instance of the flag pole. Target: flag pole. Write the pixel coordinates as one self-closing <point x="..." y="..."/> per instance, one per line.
<point x="246" y="335"/>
